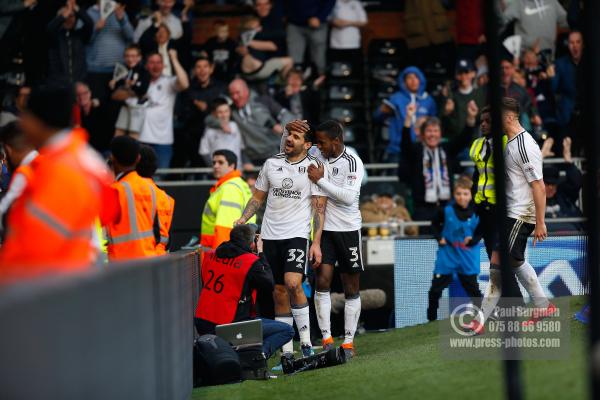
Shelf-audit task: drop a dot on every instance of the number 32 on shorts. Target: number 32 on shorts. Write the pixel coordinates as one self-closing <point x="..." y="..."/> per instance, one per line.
<point x="292" y="255"/>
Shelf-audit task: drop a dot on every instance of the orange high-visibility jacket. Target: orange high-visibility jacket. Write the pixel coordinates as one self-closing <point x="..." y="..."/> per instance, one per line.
<point x="165" y="207"/>
<point x="49" y="228"/>
<point x="133" y="235"/>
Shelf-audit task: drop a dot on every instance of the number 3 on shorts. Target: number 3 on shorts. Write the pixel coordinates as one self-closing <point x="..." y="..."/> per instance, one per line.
<point x="292" y="255"/>
<point x="354" y="252"/>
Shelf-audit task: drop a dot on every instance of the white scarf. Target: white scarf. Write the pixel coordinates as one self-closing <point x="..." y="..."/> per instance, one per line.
<point x="435" y="173"/>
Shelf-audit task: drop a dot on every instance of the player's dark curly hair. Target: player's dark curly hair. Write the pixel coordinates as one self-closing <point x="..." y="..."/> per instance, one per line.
<point x="332" y="128"/>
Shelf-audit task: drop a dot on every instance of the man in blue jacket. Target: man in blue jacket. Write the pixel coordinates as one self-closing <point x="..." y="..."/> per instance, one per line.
<point x="412" y="84"/>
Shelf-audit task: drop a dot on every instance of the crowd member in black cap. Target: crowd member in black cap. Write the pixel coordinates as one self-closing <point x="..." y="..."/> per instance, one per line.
<point x="454" y="112"/>
<point x="562" y="195"/>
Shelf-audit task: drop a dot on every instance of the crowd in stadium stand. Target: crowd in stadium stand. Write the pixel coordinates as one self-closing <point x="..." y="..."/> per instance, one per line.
<point x="137" y="72"/>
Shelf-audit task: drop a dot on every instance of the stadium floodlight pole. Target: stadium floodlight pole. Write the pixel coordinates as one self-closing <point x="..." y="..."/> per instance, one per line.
<point x="591" y="129"/>
<point x="511" y="366"/>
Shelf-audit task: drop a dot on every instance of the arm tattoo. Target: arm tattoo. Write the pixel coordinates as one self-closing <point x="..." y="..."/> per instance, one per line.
<point x="318" y="213"/>
<point x="251" y="208"/>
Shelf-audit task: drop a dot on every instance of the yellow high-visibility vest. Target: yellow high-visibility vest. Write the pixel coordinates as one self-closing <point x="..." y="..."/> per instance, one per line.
<point x="486" y="189"/>
<point x="225" y="205"/>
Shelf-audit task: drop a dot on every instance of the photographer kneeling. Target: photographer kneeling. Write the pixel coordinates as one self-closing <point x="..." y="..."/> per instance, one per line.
<point x="231" y="277"/>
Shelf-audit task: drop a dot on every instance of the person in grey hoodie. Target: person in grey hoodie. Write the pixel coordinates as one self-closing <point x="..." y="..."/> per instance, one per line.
<point x="535" y="21"/>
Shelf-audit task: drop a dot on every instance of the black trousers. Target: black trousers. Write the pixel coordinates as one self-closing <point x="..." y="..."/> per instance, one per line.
<point x="487" y="225"/>
<point x="441" y="282"/>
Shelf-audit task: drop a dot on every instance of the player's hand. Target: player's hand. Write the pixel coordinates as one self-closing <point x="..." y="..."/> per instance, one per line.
<point x="297" y="126"/>
<point x="240" y="221"/>
<point x="540" y="233"/>
<point x="442" y="242"/>
<point x="315" y="256"/>
<point x="315" y="173"/>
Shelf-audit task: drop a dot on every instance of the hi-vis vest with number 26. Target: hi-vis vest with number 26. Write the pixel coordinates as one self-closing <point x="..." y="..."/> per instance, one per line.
<point x="222" y="286"/>
<point x="486" y="189"/>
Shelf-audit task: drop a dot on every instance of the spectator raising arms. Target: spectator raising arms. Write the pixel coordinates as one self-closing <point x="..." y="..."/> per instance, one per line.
<point x="69" y="32"/>
<point x="412" y="91"/>
<point x="425" y="165"/>
<point x="158" y="40"/>
<point x="157" y="130"/>
<point x="163" y="15"/>
<point x="454" y="114"/>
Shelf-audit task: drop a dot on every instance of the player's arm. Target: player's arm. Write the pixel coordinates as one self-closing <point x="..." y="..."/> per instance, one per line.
<point x="531" y="164"/>
<point x="318" y="204"/>
<point x="252" y="207"/>
<point x="343" y="194"/>
<point x="539" y="199"/>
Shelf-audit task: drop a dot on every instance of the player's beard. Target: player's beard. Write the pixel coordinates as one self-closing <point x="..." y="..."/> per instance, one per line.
<point x="293" y="152"/>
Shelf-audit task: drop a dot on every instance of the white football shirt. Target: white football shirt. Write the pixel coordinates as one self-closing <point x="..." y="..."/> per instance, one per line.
<point x="523" y="166"/>
<point x="158" y="120"/>
<point x="289" y="194"/>
<point x="346" y="171"/>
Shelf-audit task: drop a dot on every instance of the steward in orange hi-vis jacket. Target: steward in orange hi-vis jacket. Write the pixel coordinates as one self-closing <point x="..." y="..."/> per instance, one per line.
<point x="50" y="227"/>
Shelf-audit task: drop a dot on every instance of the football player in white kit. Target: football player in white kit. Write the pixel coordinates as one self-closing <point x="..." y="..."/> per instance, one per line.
<point x="339" y="176"/>
<point x="526" y="206"/>
<point x="292" y="202"/>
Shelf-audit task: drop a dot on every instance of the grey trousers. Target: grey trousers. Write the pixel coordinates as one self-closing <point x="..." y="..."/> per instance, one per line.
<point x="297" y="37"/>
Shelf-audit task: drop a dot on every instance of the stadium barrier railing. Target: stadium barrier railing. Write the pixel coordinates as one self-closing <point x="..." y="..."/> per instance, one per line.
<point x="577" y="161"/>
<point x="120" y="331"/>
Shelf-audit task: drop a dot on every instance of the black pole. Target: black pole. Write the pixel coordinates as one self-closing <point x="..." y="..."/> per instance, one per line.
<point x="511" y="367"/>
<point x="591" y="116"/>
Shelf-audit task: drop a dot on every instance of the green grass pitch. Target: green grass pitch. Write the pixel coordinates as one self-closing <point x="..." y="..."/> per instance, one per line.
<point x="406" y="364"/>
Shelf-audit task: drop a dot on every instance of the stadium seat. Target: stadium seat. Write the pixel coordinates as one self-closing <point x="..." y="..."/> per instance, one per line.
<point x="341" y="70"/>
<point x="342" y="93"/>
<point x="395" y="48"/>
